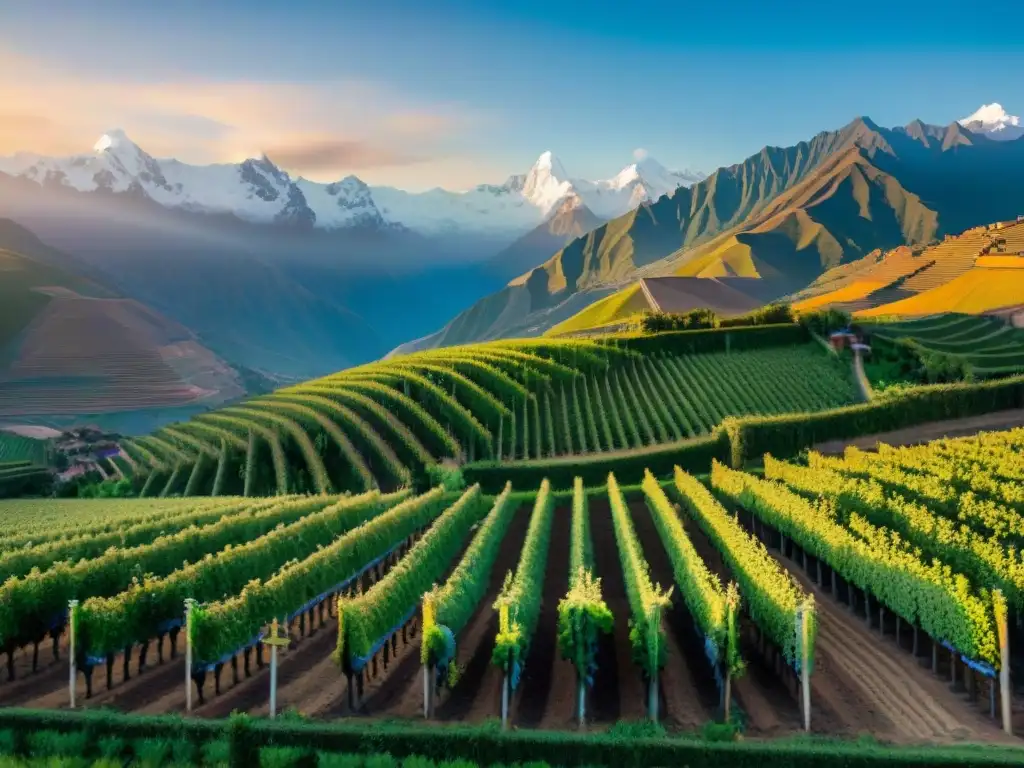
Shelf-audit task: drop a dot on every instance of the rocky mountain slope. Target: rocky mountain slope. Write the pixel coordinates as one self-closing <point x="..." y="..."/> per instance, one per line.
<point x="786" y="213"/>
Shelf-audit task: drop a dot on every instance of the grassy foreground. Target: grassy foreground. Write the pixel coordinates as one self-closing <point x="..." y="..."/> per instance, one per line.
<point x="246" y="742"/>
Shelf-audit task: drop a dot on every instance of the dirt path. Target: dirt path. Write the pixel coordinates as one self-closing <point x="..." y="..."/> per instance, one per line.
<point x="27" y="685"/>
<point x="546" y="697"/>
<point x="49" y="689"/>
<point x="619" y="692"/>
<point x="688" y="686"/>
<point x="478" y="696"/>
<point x="892" y="685"/>
<point x="933" y="430"/>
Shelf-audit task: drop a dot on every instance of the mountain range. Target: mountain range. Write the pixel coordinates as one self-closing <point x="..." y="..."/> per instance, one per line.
<point x="293" y="278"/>
<point x="784" y="214"/>
<point x="259" y="191"/>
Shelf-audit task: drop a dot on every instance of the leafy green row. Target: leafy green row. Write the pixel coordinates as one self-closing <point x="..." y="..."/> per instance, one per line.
<point x="772" y="596"/>
<point x="453" y="603"/>
<point x="456" y="416"/>
<point x="19" y="562"/>
<point x="961" y="474"/>
<point x="224" y="626"/>
<point x="110" y="624"/>
<point x="941" y="601"/>
<point x="980" y="513"/>
<point x="701" y="590"/>
<point x="986" y="561"/>
<point x="357" y="394"/>
<point x="29" y="605"/>
<point x="518" y="605"/>
<point x="647" y="601"/>
<point x="366" y="618"/>
<point x="111" y="515"/>
<point x="582" y="613"/>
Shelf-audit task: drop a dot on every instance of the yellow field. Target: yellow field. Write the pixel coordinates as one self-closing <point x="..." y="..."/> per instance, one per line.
<point x="1000" y="262"/>
<point x="978" y="290"/>
<point x="620" y="306"/>
<point x="852" y="292"/>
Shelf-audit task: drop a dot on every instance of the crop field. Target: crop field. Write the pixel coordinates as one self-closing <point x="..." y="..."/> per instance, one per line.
<point x="19" y="448"/>
<point x="378" y="425"/>
<point x="989" y="345"/>
<point x="876" y="592"/>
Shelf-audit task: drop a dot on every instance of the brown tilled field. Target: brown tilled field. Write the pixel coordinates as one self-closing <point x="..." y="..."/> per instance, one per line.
<point x="88" y="355"/>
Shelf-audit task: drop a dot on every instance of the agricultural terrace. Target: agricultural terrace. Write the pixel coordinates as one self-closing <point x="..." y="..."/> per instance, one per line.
<point x="380" y="425"/>
<point x="987" y="346"/>
<point x="877" y="592"/>
<point x="20" y="448"/>
<point x="23" y="463"/>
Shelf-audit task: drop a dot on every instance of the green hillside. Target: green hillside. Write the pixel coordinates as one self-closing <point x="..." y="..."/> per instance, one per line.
<point x="787" y="214"/>
<point x="382" y="424"/>
<point x="945" y="347"/>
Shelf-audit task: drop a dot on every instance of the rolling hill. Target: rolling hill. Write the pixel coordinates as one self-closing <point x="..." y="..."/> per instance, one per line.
<point x="789" y="214"/>
<point x="70" y="346"/>
<point x="382" y="425"/>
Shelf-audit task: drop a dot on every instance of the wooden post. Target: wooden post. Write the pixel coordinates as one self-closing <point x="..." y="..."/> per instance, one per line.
<point x="654" y="624"/>
<point x="728" y="696"/>
<point x="504" y="702"/>
<point x="805" y="674"/>
<point x="1003" y="633"/>
<point x="273" y="678"/>
<point x="581" y="701"/>
<point x="189" y="602"/>
<point x="73" y="630"/>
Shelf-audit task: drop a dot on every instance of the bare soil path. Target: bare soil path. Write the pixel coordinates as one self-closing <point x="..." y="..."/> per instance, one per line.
<point x="619" y="692"/>
<point x="933" y="430"/>
<point x="890" y="685"/>
<point x="687" y="683"/>
<point x="546" y="697"/>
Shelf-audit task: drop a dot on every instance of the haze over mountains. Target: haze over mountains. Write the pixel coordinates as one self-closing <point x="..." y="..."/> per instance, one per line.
<point x="258" y="191"/>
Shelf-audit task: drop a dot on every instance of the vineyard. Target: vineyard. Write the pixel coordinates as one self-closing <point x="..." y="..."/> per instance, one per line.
<point x="877" y="592"/>
<point x="380" y="425"/>
<point x="990" y="346"/>
<point x="23" y="463"/>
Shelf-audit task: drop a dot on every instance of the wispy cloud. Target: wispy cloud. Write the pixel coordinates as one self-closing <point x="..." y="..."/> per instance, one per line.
<point x="320" y="129"/>
<point x="315" y="156"/>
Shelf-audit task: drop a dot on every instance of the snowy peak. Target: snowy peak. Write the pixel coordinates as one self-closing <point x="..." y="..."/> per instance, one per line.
<point x="260" y="191"/>
<point x="547" y="182"/>
<point x="114" y="140"/>
<point x="550" y="165"/>
<point x="995" y="122"/>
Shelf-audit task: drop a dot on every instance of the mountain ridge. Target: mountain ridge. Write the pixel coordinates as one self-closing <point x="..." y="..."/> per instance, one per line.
<point x="799" y="210"/>
<point x="259" y="191"/>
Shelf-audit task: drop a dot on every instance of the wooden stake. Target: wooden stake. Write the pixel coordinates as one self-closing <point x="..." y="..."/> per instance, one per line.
<point x="1003" y="634"/>
<point x="189" y="602"/>
<point x="72" y="624"/>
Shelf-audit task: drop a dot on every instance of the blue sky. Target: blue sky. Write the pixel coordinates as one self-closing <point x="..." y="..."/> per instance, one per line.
<point x="449" y="93"/>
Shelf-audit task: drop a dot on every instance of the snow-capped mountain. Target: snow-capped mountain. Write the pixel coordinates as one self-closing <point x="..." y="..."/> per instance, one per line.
<point x="257" y="190"/>
<point x="994" y="121"/>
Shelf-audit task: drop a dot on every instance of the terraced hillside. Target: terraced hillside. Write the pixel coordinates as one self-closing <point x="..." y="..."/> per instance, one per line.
<point x="381" y="425"/>
<point x="21" y="448"/>
<point x="989" y="345"/>
<point x="70" y="346"/>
